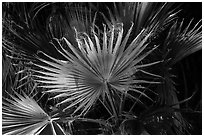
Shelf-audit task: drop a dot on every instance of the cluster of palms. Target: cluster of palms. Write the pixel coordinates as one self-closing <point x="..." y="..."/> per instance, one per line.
<point x="72" y="68"/>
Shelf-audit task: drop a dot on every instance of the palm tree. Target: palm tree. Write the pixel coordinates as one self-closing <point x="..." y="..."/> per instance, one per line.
<point x="118" y="58"/>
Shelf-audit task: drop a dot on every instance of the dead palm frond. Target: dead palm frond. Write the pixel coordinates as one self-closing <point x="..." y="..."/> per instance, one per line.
<point x="22" y="115"/>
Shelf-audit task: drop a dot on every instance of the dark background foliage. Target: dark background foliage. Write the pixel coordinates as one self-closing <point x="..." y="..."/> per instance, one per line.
<point x="188" y="71"/>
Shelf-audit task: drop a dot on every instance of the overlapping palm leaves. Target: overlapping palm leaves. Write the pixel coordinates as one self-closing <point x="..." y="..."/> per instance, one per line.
<point x="80" y="66"/>
<point x="179" y="43"/>
<point x="147" y="15"/>
<point x="97" y="56"/>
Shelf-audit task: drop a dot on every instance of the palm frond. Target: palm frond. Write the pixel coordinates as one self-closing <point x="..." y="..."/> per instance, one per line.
<point x="22" y="115"/>
<point x="149" y="15"/>
<point x="182" y="42"/>
<point x="94" y="69"/>
<point x="64" y="54"/>
<point x="62" y="23"/>
<point x="24" y="33"/>
<point x="179" y="43"/>
<point x="7" y="70"/>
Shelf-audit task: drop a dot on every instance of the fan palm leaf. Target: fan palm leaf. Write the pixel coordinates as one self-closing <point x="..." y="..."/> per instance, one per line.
<point x="77" y="16"/>
<point x="179" y="43"/>
<point x="95" y="69"/>
<point x="77" y="63"/>
<point x="22" y="115"/>
<point x="149" y="15"/>
<point x="23" y="32"/>
<point x="182" y="42"/>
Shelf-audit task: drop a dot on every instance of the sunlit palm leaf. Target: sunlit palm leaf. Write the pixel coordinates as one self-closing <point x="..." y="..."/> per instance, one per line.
<point x="95" y="69"/>
<point x="21" y="115"/>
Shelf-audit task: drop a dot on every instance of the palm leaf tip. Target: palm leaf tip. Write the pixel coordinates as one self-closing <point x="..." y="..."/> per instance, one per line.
<point x="22" y="115"/>
<point x="98" y="64"/>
